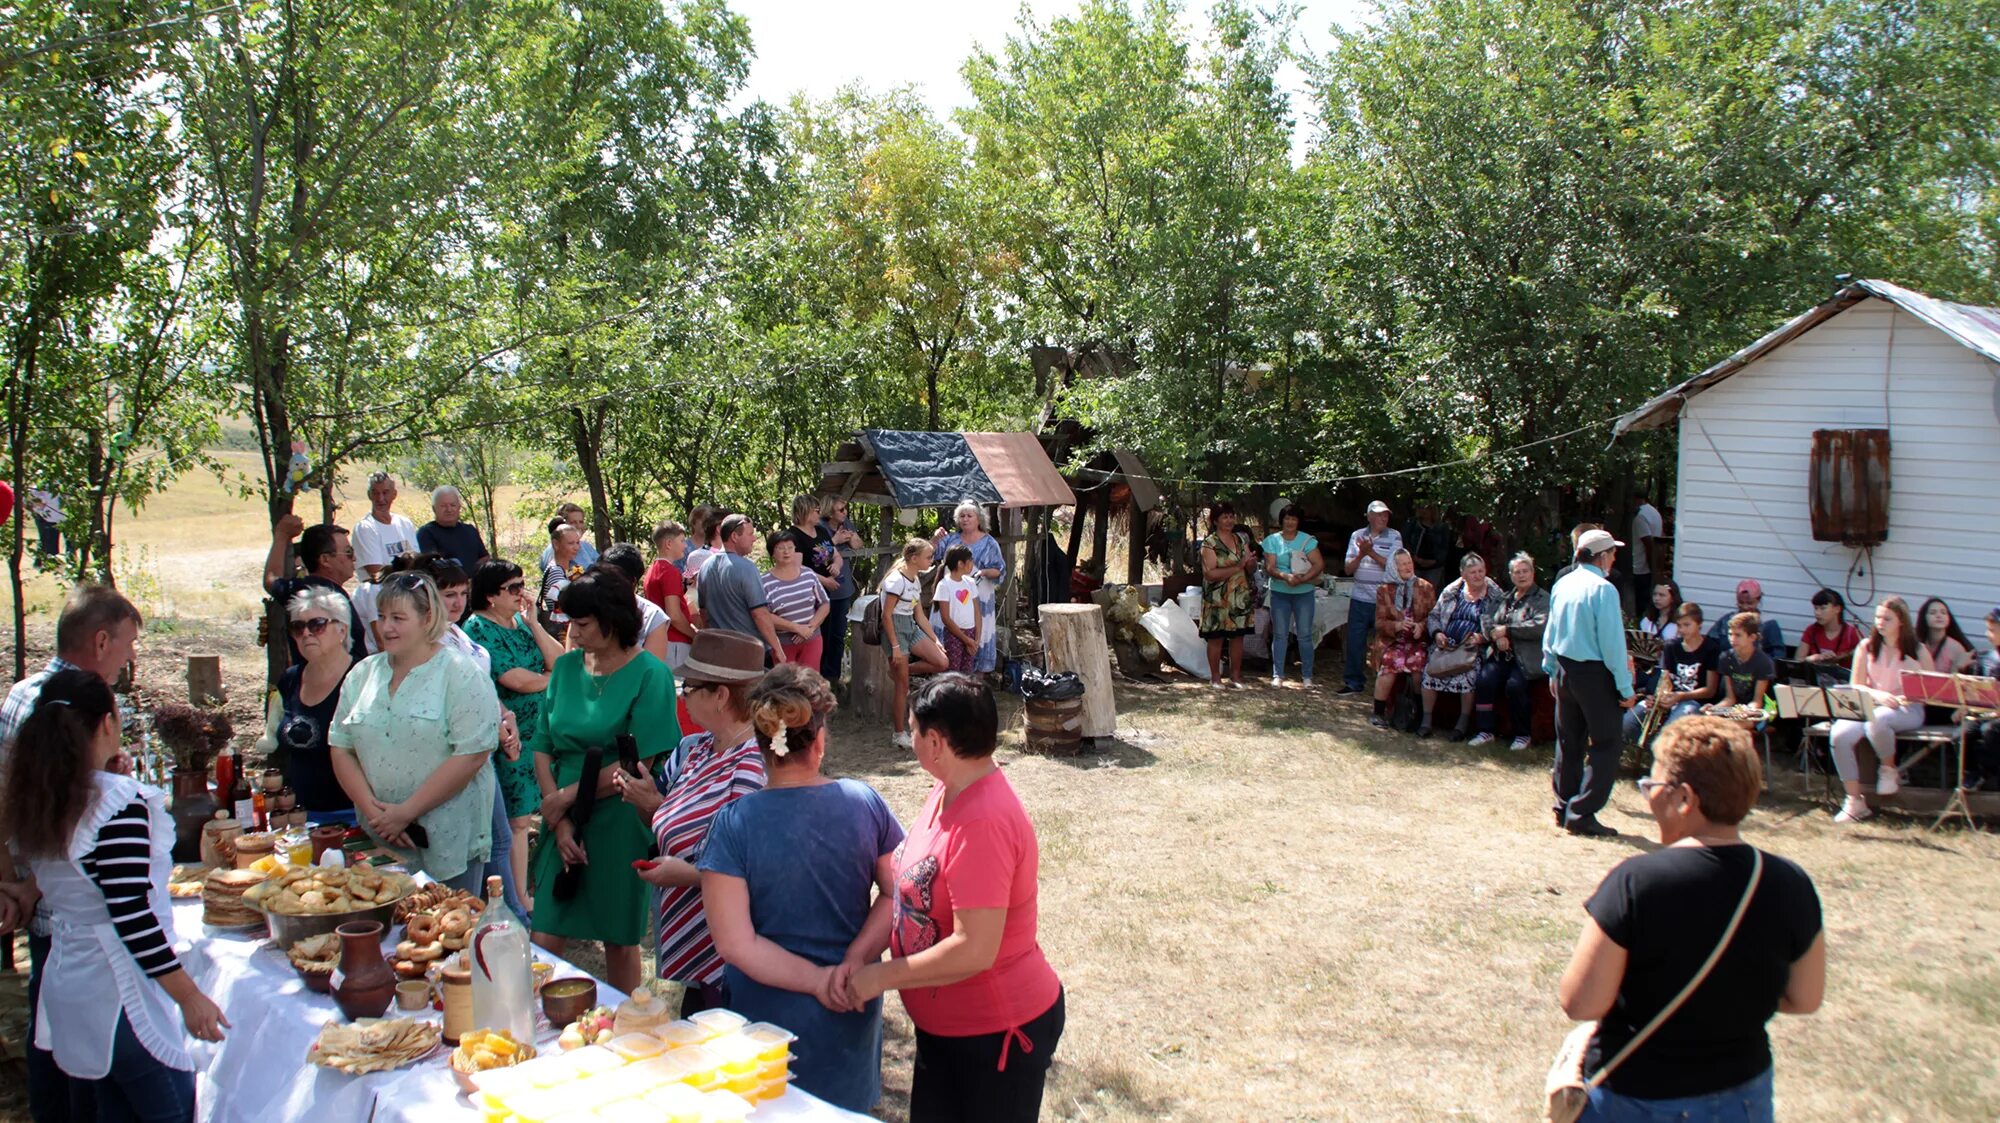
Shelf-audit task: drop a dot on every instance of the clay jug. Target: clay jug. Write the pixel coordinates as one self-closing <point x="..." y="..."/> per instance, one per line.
<point x="193" y="805"/>
<point x="363" y="982"/>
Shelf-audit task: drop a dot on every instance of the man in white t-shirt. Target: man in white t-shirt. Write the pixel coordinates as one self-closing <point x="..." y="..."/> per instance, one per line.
<point x="1367" y="561"/>
<point x="1647" y="529"/>
<point x="381" y="533"/>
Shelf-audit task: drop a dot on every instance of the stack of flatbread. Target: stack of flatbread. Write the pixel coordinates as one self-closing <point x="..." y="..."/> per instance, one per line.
<point x="222" y="903"/>
<point x="372" y="1046"/>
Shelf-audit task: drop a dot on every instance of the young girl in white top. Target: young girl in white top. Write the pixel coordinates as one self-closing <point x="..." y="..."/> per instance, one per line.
<point x="957" y="598"/>
<point x="116" y="1005"/>
<point x="1879" y="664"/>
<point x="906" y="633"/>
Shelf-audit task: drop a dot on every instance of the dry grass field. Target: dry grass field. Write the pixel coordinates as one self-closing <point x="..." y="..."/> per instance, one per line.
<point x="1265" y="910"/>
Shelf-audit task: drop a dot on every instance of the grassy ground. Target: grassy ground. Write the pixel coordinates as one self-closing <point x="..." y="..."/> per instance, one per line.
<point x="1264" y="909"/>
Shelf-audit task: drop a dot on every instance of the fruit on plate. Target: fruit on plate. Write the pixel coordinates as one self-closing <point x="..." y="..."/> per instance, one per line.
<point x="592" y="1027"/>
<point x="483" y="1049"/>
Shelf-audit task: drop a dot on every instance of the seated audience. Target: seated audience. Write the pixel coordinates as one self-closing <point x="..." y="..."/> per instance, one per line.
<point x="798" y="882"/>
<point x="907" y="638"/>
<point x="1950" y="651"/>
<point x="1750" y="598"/>
<point x="1512" y="665"/>
<point x="1658" y="917"/>
<point x="1403" y="605"/>
<point x="1829" y="638"/>
<point x="1659" y="620"/>
<point x="1879" y="664"/>
<point x="1982" y="766"/>
<point x="1454" y="623"/>
<point x="1689" y="671"/>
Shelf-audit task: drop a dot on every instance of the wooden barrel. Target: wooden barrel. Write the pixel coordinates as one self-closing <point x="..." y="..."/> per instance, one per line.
<point x="1055" y="728"/>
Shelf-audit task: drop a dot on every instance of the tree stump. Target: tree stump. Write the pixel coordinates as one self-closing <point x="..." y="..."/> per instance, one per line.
<point x="205" y="680"/>
<point x="869" y="681"/>
<point x="1073" y="641"/>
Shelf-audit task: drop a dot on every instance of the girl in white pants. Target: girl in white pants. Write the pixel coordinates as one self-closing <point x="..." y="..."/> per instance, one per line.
<point x="1879" y="664"/>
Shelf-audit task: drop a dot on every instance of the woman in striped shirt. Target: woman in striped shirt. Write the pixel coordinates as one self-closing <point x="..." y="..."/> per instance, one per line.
<point x="798" y="600"/>
<point x="704" y="774"/>
<point x="99" y="846"/>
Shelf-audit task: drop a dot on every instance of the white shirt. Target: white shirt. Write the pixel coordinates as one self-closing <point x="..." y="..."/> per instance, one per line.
<point x="1645" y="524"/>
<point x="904" y="589"/>
<point x="960" y="598"/>
<point x="364" y="607"/>
<point x="1669" y="634"/>
<point x="651" y="619"/>
<point x="378" y="543"/>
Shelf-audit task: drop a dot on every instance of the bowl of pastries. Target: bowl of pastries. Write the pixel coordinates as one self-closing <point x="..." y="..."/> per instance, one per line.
<point x="314" y="958"/>
<point x="314" y="900"/>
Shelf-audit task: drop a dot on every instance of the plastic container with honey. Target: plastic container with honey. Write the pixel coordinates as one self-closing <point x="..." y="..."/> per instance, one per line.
<point x="701" y="1065"/>
<point x="725" y="1107"/>
<point x="636" y="1047"/>
<point x="667" y="1068"/>
<point x="676" y="1035"/>
<point x="592" y="1093"/>
<point x="677" y="1102"/>
<point x="539" y="1105"/>
<point x="624" y="1084"/>
<point x="494" y="1086"/>
<point x="547" y="1071"/>
<point x="593" y="1059"/>
<point x="773" y="1042"/>
<point x="738" y="1056"/>
<point x="629" y="1111"/>
<point x="718" y="1022"/>
<point x="769" y="1090"/>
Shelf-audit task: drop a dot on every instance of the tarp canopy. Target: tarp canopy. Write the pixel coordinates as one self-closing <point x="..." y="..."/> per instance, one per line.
<point x="944" y="469"/>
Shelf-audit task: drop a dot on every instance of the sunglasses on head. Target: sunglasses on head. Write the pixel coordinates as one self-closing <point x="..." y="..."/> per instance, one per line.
<point x="313" y="627"/>
<point x="407" y="580"/>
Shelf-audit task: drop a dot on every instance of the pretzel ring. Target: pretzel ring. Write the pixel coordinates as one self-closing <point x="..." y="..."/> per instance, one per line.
<point x="456" y="922"/>
<point x="423" y="928"/>
<point x="426" y="953"/>
<point x="406" y="949"/>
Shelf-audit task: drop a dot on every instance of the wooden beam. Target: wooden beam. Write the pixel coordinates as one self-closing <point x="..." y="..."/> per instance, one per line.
<point x="1135" y="545"/>
<point x="1100" y="533"/>
<point x="836" y="466"/>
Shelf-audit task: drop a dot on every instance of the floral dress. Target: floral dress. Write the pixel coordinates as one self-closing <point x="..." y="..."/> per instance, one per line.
<point x="1226" y="605"/>
<point x="511" y="648"/>
<point x="1457" y="616"/>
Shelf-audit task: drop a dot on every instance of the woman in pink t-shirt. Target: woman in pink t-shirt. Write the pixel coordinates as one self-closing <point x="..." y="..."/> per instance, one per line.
<point x="1879" y="664"/>
<point x="987" y="1006"/>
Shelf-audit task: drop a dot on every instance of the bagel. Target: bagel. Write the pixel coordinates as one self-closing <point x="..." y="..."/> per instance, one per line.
<point x="406" y="949"/>
<point x="452" y="943"/>
<point x="426" y="952"/>
<point x="409" y="969"/>
<point x="422" y="928"/>
<point x="456" y="922"/>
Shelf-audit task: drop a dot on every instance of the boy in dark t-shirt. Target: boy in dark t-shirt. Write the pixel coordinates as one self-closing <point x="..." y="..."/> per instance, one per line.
<point x="1747" y="672"/>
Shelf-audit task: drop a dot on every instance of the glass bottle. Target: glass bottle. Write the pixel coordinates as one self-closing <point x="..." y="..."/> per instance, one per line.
<point x="503" y="978"/>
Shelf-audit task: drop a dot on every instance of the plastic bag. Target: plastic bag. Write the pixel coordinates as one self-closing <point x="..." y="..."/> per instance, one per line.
<point x="1043" y="686"/>
<point x="1175" y="632"/>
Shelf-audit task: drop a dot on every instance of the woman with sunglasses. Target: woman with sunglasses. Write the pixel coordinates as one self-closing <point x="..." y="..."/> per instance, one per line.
<point x="303" y="702"/>
<point x="505" y="623"/>
<point x="705" y="773"/>
<point x="410" y="739"/>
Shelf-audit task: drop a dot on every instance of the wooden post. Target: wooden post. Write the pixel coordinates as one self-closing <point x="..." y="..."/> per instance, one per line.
<point x="1135" y="543"/>
<point x="1100" y="531"/>
<point x="1073" y="640"/>
<point x="205" y="680"/>
<point x="1076" y="535"/>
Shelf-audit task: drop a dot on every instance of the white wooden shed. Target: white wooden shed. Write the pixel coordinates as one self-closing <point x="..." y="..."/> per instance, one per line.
<point x="1876" y="362"/>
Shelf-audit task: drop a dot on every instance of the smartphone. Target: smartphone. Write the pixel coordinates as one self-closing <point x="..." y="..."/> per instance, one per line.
<point x="418" y="835"/>
<point x="628" y="754"/>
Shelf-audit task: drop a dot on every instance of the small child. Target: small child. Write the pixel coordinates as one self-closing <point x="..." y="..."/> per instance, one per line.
<point x="957" y="598"/>
<point x="1746" y="670"/>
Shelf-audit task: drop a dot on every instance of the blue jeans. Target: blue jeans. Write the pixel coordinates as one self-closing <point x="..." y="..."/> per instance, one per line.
<point x="1292" y="613"/>
<point x="138" y="1088"/>
<point x="1748" y="1102"/>
<point x="1360" y="627"/>
<point x="500" y="865"/>
<point x="52" y="1095"/>
<point x="1635" y="719"/>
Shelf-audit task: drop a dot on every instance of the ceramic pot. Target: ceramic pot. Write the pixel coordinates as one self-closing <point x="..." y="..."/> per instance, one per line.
<point x="325" y="838"/>
<point x="364" y="983"/>
<point x="193" y="807"/>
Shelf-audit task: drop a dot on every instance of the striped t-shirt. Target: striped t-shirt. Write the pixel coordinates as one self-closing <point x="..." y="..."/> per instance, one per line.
<point x="797" y="599"/>
<point x="122" y="866"/>
<point x="700" y="782"/>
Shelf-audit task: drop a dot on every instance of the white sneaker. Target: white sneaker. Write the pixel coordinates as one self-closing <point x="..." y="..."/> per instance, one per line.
<point x="1305" y="684"/>
<point x="1277" y="680"/>
<point x="1853" y="810"/>
<point x="1520" y="744"/>
<point x="1479" y="739"/>
<point x="905" y="741"/>
<point x="1888" y="781"/>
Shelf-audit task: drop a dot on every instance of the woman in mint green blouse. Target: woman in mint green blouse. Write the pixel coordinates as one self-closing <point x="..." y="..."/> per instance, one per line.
<point x="607" y="686"/>
<point x="411" y="735"/>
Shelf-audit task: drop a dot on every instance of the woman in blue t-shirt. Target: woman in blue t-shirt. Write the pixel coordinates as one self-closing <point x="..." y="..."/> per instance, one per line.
<point x="797" y="881"/>
<point x="1293" y="563"/>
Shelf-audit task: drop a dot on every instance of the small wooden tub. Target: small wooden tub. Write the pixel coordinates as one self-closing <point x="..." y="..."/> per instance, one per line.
<point x="1055" y="728"/>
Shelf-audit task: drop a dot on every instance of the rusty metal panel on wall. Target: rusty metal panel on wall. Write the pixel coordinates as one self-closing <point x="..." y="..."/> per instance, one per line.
<point x="1849" y="486"/>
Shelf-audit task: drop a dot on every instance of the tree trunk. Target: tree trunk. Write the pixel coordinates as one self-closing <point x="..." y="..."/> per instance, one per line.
<point x="1073" y="640"/>
<point x="588" y="434"/>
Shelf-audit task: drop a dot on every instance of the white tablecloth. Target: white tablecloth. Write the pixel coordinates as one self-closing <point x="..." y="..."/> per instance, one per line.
<point x="259" y="1074"/>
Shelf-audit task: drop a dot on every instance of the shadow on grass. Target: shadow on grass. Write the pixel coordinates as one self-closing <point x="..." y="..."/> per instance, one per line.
<point x="1098" y="1087"/>
<point x="1110" y="752"/>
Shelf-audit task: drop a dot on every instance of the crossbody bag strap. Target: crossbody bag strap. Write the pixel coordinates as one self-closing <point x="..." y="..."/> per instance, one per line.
<point x="1667" y="1011"/>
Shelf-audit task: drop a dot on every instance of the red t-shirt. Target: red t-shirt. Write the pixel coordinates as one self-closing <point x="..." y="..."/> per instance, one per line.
<point x="662" y="581"/>
<point x="979" y="853"/>
<point x="1817" y="643"/>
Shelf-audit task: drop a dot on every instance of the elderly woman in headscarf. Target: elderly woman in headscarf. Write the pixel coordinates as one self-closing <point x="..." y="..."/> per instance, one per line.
<point x="1402" y="613"/>
<point x="989" y="566"/>
<point x="1455" y="624"/>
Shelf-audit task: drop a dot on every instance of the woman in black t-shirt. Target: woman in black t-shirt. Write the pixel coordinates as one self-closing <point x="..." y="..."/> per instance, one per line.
<point x="305" y="697"/>
<point x="1656" y="918"/>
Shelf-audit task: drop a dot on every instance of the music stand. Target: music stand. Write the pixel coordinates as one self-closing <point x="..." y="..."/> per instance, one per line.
<point x="1983" y="690"/>
<point x="1813" y="703"/>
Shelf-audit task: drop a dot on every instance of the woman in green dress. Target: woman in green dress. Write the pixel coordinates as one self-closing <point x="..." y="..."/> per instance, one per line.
<point x="585" y="888"/>
<point x="505" y="623"/>
<point x="1225" y="594"/>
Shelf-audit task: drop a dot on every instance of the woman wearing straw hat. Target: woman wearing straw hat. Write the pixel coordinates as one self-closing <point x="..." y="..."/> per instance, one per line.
<point x="705" y="773"/>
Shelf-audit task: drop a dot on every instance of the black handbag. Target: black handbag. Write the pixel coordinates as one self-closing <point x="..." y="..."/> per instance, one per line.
<point x="569" y="882"/>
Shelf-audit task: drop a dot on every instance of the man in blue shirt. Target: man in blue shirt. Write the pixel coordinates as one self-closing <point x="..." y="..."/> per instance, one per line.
<point x="1750" y="598"/>
<point x="1583" y="651"/>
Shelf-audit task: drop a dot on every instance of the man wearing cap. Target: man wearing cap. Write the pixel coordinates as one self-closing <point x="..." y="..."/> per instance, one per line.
<point x="732" y="589"/>
<point x="1583" y="652"/>
<point x="1368" y="552"/>
<point x="1750" y="598"/>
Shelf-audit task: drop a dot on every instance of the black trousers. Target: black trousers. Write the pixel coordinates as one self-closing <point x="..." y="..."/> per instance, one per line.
<point x="960" y="1079"/>
<point x="1984" y="759"/>
<point x="1588" y="740"/>
<point x="1503" y="678"/>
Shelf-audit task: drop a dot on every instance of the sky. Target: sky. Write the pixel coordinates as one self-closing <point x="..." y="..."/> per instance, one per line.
<point x="817" y="46"/>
